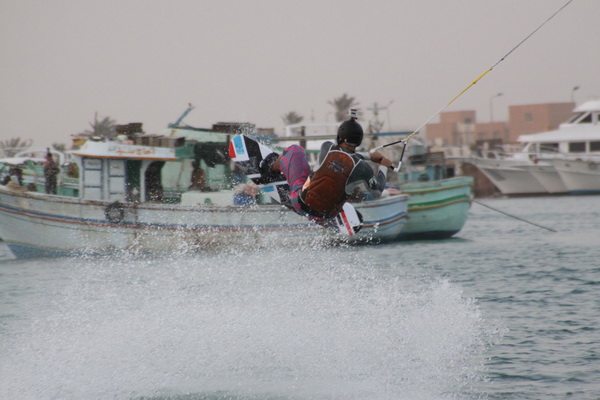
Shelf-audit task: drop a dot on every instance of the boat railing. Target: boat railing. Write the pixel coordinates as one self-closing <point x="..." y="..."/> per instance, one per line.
<point x="515" y="152"/>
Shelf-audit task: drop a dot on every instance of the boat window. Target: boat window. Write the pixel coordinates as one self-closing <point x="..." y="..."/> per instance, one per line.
<point x="586" y="120"/>
<point x="594" y="146"/>
<point x="575" y="118"/>
<point x="549" y="147"/>
<point x="577" y="147"/>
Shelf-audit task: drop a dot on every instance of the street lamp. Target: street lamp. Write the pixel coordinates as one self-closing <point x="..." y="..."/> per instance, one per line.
<point x="573" y="92"/>
<point x="375" y="109"/>
<point x="327" y="121"/>
<point x="387" y="109"/>
<point x="492" y="108"/>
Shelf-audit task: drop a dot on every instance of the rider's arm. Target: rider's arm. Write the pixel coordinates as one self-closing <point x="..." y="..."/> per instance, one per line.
<point x="378" y="158"/>
<point x="363" y="173"/>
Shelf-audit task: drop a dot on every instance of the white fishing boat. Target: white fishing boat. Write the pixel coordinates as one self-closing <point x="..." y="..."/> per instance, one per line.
<point x="122" y="204"/>
<point x="542" y="165"/>
<point x="30" y="164"/>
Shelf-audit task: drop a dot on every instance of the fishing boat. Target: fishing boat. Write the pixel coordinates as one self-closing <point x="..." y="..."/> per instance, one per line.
<point x="552" y="162"/>
<point x="30" y="164"/>
<point x="124" y="204"/>
<point x="438" y="206"/>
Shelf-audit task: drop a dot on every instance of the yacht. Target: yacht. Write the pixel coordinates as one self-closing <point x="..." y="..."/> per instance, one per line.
<point x="577" y="160"/>
<point x="552" y="162"/>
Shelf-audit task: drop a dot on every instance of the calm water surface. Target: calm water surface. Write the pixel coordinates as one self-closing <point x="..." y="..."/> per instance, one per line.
<point x="505" y="310"/>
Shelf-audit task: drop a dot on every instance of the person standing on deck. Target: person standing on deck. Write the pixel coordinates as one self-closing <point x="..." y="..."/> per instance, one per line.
<point x="51" y="171"/>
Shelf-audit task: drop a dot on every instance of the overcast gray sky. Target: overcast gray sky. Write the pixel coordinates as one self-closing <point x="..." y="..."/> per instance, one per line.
<point x="241" y="60"/>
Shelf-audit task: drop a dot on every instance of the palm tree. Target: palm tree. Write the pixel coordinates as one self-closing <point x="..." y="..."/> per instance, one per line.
<point x="292" y="118"/>
<point x="10" y="147"/>
<point x="342" y="105"/>
<point x="59" y="147"/>
<point x="104" y="128"/>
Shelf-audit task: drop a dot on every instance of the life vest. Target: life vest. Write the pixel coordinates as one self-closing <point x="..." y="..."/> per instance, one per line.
<point x="324" y="193"/>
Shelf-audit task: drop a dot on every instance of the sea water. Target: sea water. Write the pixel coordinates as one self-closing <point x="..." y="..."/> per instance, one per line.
<point x="504" y="310"/>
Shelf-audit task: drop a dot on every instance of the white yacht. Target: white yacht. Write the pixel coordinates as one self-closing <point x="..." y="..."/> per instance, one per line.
<point x="577" y="141"/>
<point x="551" y="162"/>
<point x="581" y="175"/>
<point x="509" y="173"/>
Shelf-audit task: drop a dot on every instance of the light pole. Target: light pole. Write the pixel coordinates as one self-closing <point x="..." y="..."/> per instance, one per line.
<point x="492" y="108"/>
<point x="327" y="121"/>
<point x="573" y="93"/>
<point x="387" y="109"/>
<point x="375" y="109"/>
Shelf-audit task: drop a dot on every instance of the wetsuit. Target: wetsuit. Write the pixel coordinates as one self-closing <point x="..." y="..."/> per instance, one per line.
<point x="362" y="174"/>
<point x="294" y="166"/>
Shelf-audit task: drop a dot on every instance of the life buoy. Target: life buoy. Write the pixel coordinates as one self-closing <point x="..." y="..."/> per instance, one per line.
<point x="115" y="212"/>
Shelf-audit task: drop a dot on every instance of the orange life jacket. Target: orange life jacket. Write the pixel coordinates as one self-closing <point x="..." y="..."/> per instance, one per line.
<point x="325" y="191"/>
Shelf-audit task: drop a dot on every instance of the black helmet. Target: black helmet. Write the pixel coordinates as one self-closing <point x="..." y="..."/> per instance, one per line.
<point x="350" y="132"/>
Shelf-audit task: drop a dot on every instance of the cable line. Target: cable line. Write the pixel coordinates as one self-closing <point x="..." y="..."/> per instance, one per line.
<point x="406" y="139"/>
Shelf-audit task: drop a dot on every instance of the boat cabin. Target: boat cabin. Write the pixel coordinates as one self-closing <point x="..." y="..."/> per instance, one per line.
<point x="579" y="135"/>
<point x="115" y="171"/>
<point x="423" y="165"/>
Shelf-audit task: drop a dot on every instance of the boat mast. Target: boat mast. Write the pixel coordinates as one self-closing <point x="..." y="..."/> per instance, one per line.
<point x="185" y="113"/>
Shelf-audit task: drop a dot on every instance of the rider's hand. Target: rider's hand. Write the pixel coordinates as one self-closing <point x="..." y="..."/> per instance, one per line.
<point x="376" y="157"/>
<point x="386" y="162"/>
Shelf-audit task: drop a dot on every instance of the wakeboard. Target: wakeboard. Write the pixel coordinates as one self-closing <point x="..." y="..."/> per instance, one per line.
<point x="247" y="155"/>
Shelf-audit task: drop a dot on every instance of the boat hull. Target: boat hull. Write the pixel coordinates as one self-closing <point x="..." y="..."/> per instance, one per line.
<point x="384" y="218"/>
<point x="34" y="224"/>
<point x="580" y="176"/>
<point x="511" y="178"/>
<point x="437" y="209"/>
<point x="548" y="177"/>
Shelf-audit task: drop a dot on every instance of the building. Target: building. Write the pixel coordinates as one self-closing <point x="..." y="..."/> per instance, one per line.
<point x="454" y="129"/>
<point x="461" y="129"/>
<point x="534" y="118"/>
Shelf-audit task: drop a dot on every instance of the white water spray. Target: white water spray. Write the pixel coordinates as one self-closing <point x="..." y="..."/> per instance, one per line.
<point x="299" y="325"/>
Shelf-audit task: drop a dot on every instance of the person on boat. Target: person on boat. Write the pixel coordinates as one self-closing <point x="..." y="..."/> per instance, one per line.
<point x="320" y="195"/>
<point x="15" y="175"/>
<point x="14" y="179"/>
<point x="51" y="171"/>
<point x="198" y="178"/>
<point x="245" y="194"/>
<point x="153" y="182"/>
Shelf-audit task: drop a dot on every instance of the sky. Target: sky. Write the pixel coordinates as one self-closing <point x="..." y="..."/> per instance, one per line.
<point x="62" y="61"/>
